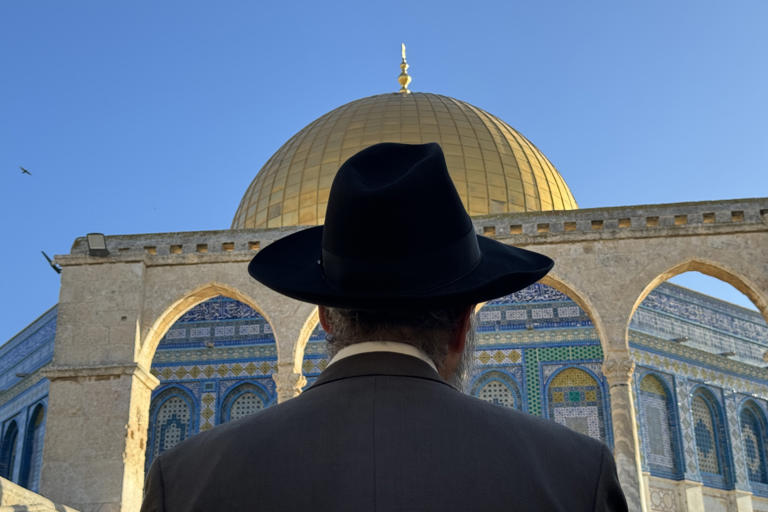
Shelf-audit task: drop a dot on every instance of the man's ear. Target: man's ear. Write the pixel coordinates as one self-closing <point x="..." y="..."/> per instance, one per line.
<point x="322" y="314"/>
<point x="459" y="338"/>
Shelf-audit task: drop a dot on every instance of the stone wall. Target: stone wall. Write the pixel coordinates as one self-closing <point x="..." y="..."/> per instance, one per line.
<point x="14" y="498"/>
<point x="114" y="310"/>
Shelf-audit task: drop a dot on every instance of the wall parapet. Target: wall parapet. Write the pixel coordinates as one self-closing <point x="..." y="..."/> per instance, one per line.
<point x="641" y="221"/>
<point x="525" y="228"/>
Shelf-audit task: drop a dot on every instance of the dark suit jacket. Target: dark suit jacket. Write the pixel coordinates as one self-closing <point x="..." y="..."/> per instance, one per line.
<point x="383" y="432"/>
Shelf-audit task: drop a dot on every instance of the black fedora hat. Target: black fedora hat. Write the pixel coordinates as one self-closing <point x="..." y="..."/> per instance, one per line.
<point x="396" y="235"/>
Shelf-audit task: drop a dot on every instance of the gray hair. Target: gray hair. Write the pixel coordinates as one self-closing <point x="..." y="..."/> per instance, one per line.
<point x="429" y="330"/>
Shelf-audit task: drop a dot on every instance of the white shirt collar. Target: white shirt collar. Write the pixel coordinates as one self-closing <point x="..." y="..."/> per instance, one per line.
<point x="382" y="346"/>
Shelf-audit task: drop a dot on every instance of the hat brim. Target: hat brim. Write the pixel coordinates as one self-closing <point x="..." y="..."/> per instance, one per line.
<point x="292" y="267"/>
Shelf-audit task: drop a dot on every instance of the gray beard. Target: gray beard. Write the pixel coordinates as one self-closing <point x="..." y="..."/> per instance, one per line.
<point x="466" y="364"/>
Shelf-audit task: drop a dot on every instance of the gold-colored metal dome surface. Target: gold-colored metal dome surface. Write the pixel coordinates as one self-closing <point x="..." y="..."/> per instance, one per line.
<point x="494" y="168"/>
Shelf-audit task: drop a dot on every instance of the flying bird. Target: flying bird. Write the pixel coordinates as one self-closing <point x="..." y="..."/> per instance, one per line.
<point x="24" y="171"/>
<point x="53" y="265"/>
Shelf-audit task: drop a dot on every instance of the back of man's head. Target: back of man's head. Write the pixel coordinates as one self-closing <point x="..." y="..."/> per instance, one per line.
<point x="434" y="331"/>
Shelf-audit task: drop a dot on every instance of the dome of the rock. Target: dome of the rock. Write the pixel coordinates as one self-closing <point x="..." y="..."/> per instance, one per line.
<point x="494" y="167"/>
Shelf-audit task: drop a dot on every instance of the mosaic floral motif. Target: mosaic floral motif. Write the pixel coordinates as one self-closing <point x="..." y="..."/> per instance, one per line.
<point x="753" y="435"/>
<point x="575" y="400"/>
<point x="659" y="427"/>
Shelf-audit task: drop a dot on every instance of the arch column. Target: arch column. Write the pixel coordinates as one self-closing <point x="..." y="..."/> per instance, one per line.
<point x="288" y="382"/>
<point x="292" y="322"/>
<point x="618" y="369"/>
<point x="741" y="497"/>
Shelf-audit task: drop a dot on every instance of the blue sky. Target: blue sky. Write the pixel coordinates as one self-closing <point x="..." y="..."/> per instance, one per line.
<point x="140" y="117"/>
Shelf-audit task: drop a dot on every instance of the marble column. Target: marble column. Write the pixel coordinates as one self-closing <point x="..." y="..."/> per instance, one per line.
<point x="618" y="369"/>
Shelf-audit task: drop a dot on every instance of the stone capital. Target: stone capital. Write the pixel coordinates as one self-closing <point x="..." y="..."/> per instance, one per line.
<point x="618" y="369"/>
<point x="288" y="382"/>
<point x="101" y="372"/>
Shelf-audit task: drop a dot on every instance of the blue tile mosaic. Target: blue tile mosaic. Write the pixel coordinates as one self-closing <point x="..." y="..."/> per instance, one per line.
<point x="754" y="437"/>
<point x="659" y="431"/>
<point x="711" y="440"/>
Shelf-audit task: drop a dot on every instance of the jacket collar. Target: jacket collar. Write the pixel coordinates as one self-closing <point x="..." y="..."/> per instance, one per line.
<point x="378" y="363"/>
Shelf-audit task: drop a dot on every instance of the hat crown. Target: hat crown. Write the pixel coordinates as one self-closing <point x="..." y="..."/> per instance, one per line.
<point x="394" y="203"/>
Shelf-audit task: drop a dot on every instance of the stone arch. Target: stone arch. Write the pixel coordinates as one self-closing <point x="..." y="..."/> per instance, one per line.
<point x="173" y="311"/>
<point x="581" y="299"/>
<point x="718" y="270"/>
<point x="309" y="325"/>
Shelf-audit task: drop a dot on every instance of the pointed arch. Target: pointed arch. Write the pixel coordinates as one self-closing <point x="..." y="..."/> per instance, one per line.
<point x="172" y="418"/>
<point x="717" y="270"/>
<point x="243" y="400"/>
<point x="32" y="452"/>
<point x="498" y="388"/>
<point x="754" y="437"/>
<point x="8" y="450"/>
<point x="574" y="398"/>
<point x="659" y="426"/>
<point x="308" y="329"/>
<point x="174" y="310"/>
<point x="711" y="439"/>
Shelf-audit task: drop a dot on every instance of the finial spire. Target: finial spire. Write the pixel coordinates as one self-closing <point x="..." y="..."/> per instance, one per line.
<point x="404" y="78"/>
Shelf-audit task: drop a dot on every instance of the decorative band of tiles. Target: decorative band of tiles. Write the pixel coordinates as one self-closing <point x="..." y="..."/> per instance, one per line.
<point x="198" y="371"/>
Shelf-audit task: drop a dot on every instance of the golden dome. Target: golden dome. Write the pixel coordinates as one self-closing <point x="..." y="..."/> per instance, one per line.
<point x="495" y="168"/>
